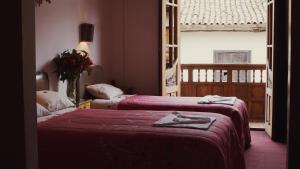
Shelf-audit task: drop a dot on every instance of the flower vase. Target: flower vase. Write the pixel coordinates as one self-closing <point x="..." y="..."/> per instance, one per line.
<point x="71" y="90"/>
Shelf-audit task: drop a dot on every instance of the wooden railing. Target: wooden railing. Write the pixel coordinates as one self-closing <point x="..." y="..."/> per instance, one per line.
<point x="246" y="81"/>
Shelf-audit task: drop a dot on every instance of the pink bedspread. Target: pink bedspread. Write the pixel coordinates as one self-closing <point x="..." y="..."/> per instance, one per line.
<point x="120" y="139"/>
<point x="238" y="112"/>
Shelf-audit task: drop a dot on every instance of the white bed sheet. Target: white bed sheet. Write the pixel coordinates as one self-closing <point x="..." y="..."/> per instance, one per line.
<point x="108" y="104"/>
<point x="56" y="113"/>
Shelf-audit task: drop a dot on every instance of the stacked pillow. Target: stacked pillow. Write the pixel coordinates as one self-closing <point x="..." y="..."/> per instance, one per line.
<point x="41" y="111"/>
<point x="50" y="101"/>
<point x="104" y="91"/>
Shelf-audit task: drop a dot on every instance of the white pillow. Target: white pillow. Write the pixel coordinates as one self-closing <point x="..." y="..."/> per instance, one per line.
<point x="104" y="91"/>
<point x="53" y="101"/>
<point x="41" y="111"/>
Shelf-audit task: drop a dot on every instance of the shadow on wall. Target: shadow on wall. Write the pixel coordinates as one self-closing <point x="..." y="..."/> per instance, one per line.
<point x="95" y="77"/>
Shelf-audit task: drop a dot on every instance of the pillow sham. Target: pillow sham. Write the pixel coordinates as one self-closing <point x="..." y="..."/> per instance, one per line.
<point x="104" y="91"/>
<point x="41" y="111"/>
<point x="53" y="101"/>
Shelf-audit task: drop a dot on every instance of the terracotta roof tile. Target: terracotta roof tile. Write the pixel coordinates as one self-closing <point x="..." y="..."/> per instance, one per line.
<point x="228" y="15"/>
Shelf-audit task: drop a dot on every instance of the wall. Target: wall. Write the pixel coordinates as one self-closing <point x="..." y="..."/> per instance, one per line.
<point x="18" y="134"/>
<point x="198" y="47"/>
<point x="29" y="97"/>
<point x="135" y="31"/>
<point x="57" y="29"/>
<point x="125" y="44"/>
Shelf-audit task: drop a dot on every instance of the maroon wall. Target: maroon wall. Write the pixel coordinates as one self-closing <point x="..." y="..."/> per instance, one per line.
<point x="135" y="30"/>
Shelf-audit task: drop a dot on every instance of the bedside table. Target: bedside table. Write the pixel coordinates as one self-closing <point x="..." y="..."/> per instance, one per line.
<point x="84" y="104"/>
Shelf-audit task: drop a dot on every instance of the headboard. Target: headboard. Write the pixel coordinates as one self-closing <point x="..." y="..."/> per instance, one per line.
<point x="42" y="81"/>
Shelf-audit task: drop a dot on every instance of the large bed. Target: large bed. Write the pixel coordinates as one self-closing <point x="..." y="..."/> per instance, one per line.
<point x="126" y="139"/>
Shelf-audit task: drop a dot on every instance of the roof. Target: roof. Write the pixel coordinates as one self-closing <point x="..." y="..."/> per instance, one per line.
<point x="223" y="15"/>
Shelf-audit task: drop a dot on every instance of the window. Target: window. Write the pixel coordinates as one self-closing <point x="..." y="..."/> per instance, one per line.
<point x="232" y="57"/>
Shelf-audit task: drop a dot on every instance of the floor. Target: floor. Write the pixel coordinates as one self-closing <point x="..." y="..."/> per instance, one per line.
<point x="264" y="153"/>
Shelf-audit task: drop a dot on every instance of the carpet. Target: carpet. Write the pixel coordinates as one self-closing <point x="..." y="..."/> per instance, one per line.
<point x="265" y="153"/>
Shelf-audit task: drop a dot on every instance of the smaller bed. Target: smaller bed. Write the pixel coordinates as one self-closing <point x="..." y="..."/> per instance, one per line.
<point x="126" y="139"/>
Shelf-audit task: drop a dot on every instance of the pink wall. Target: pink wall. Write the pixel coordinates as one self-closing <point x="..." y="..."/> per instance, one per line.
<point x="125" y="41"/>
<point x="135" y="30"/>
<point x="57" y="29"/>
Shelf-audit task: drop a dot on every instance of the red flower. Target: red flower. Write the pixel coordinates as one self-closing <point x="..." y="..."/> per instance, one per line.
<point x="70" y="64"/>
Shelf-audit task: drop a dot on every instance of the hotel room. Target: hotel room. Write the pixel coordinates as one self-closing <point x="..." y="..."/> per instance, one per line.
<point x="64" y="128"/>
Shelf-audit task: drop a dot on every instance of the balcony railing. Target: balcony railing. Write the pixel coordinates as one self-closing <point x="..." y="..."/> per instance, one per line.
<point x="246" y="81"/>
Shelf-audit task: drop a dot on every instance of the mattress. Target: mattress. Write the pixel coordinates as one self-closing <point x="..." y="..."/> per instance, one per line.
<point x="238" y="112"/>
<point x="122" y="139"/>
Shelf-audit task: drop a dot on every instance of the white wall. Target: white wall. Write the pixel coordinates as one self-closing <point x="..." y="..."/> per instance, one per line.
<point x="125" y="41"/>
<point x="198" y="47"/>
<point x="57" y="29"/>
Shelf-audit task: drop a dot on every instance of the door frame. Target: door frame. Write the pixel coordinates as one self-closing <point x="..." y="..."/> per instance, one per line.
<point x="280" y="71"/>
<point x="293" y="142"/>
<point x="162" y="66"/>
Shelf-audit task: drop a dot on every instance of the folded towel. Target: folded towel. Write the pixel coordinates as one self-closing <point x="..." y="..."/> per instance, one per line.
<point x="176" y="119"/>
<point x="189" y="121"/>
<point x="215" y="99"/>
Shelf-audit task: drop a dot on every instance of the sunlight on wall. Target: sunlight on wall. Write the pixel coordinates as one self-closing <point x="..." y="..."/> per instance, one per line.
<point x="85" y="46"/>
<point x="198" y="47"/>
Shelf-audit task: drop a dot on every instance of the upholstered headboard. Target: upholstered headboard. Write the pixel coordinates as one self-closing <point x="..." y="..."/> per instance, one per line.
<point x="42" y="81"/>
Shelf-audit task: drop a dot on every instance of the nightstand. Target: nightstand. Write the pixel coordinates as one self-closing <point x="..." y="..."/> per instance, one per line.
<point x="84" y="104"/>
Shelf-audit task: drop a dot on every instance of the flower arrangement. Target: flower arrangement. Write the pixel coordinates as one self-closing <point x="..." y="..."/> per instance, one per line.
<point x="69" y="65"/>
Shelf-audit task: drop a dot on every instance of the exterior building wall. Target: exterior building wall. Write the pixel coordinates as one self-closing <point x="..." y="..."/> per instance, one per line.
<point x="198" y="47"/>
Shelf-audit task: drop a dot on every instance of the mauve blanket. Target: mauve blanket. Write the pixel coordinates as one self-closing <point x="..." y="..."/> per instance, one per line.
<point x="238" y="112"/>
<point x="122" y="139"/>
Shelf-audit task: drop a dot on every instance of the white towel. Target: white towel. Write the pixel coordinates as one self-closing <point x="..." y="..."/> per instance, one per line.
<point x="176" y="119"/>
<point x="215" y="99"/>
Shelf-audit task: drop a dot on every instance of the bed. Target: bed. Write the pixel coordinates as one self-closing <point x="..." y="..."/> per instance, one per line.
<point x="237" y="112"/>
<point x="126" y="139"/>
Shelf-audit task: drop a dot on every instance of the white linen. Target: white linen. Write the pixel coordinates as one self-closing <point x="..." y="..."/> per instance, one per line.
<point x="41" y="111"/>
<point x="56" y="113"/>
<point x="53" y="101"/>
<point x="108" y="104"/>
<point x="104" y="91"/>
<point x="176" y="119"/>
<point x="215" y="99"/>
